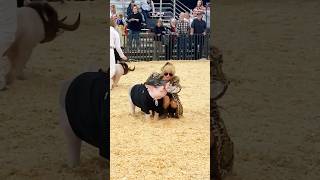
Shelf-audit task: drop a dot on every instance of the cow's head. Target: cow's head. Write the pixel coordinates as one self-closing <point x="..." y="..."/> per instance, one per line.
<point x="52" y="25"/>
<point x="219" y="82"/>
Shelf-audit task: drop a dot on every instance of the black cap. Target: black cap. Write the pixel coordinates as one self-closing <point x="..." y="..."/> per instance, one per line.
<point x="155" y="80"/>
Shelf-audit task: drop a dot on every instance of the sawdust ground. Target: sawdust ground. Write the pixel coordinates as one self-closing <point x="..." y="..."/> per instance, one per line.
<point x="164" y="149"/>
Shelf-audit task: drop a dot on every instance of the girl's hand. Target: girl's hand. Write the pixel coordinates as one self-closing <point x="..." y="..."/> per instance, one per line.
<point x="124" y="58"/>
<point x="167" y="86"/>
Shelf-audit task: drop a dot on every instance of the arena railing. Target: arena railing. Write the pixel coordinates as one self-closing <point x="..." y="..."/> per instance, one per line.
<point x="171" y="47"/>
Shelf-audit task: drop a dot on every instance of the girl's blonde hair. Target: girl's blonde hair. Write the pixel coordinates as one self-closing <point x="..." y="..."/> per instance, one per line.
<point x="112" y="22"/>
<point x="168" y="67"/>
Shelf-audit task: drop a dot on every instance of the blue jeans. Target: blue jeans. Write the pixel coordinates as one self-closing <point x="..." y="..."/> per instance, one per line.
<point x="198" y="46"/>
<point x="134" y="39"/>
<point x="182" y="46"/>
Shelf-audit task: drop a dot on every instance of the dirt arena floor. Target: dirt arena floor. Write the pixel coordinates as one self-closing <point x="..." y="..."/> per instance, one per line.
<point x="272" y="106"/>
<point x="167" y="148"/>
<point x="32" y="144"/>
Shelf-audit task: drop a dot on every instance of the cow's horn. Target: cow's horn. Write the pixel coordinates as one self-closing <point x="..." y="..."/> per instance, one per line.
<point x="70" y="27"/>
<point x="63" y="19"/>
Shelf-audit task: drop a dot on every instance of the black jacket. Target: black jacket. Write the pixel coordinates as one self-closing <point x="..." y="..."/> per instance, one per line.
<point x="141" y="98"/>
<point x="158" y="32"/>
<point x="135" y="25"/>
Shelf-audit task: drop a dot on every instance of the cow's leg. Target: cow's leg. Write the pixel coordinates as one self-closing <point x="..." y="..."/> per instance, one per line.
<point x="21" y="64"/>
<point x="73" y="142"/>
<point x="18" y="58"/>
<point x="118" y="74"/>
<point x="12" y="54"/>
<point x="116" y="79"/>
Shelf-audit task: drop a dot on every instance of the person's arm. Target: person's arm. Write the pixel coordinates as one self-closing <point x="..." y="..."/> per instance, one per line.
<point x="163" y="30"/>
<point x="178" y="28"/>
<point x="140" y="18"/>
<point x="192" y="28"/>
<point x="174" y="85"/>
<point x="128" y="20"/>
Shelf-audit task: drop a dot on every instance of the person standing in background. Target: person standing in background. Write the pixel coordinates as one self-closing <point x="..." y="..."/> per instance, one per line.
<point x="147" y="6"/>
<point x="183" y="29"/>
<point x="199" y="9"/>
<point x="198" y="31"/>
<point x="159" y="31"/>
<point x="8" y="27"/>
<point x="114" y="45"/>
<point x="130" y="8"/>
<point x="120" y="28"/>
<point x="113" y="11"/>
<point x="134" y="26"/>
<point x="172" y="39"/>
<point x="208" y="17"/>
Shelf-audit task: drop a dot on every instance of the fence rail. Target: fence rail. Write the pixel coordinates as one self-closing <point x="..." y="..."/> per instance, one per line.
<point x="147" y="46"/>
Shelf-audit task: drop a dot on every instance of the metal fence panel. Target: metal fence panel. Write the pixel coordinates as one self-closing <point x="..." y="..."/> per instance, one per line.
<point x="145" y="47"/>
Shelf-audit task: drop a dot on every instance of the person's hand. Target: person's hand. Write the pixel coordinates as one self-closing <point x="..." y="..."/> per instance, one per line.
<point x="124" y="58"/>
<point x="167" y="86"/>
<point x="204" y="33"/>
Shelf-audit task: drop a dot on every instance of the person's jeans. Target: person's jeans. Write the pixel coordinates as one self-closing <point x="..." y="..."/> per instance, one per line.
<point x="134" y="39"/>
<point x="157" y="49"/>
<point x="170" y="46"/>
<point x="198" y="45"/>
<point x="145" y="15"/>
<point x="181" y="46"/>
